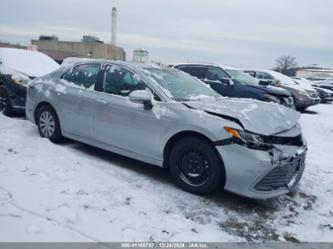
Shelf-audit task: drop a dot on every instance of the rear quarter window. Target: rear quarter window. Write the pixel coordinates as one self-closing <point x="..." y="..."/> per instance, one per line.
<point x="83" y="75"/>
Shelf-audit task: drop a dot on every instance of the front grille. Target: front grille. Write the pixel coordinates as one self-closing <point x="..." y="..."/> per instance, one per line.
<point x="289" y="171"/>
<point x="296" y="141"/>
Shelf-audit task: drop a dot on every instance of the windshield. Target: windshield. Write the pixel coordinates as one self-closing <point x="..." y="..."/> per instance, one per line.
<point x="179" y="85"/>
<point x="241" y="77"/>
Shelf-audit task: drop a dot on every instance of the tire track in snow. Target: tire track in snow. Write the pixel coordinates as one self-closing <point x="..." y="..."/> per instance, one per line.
<point x="7" y="198"/>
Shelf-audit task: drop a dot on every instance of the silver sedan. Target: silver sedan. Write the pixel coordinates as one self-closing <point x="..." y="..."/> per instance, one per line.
<point x="167" y="118"/>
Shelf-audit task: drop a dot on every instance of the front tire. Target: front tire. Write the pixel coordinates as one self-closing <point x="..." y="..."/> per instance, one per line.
<point x="48" y="124"/>
<point x="195" y="166"/>
<point x="5" y="105"/>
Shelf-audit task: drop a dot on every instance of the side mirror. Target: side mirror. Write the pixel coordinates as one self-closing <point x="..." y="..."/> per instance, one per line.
<point x="227" y="81"/>
<point x="142" y="97"/>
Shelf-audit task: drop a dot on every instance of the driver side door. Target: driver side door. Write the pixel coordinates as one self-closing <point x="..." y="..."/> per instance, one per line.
<point x="124" y="125"/>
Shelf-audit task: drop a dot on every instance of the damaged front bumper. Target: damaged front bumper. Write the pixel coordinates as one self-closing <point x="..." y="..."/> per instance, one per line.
<point x="262" y="174"/>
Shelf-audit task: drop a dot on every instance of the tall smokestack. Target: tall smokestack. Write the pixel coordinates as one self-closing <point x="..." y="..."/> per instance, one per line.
<point x="114" y="27"/>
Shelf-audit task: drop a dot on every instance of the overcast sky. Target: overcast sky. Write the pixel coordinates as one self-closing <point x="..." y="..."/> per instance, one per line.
<point x="249" y="33"/>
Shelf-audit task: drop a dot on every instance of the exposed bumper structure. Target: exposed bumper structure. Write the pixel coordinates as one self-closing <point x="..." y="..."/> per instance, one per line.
<point x="262" y="174"/>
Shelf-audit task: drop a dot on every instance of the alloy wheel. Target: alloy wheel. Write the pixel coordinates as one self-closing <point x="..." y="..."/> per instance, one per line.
<point x="47" y="124"/>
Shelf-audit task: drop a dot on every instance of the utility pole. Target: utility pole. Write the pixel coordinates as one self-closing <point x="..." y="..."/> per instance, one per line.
<point x="114" y="27"/>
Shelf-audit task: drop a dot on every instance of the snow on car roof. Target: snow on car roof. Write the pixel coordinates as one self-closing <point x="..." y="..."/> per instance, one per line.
<point x="71" y="61"/>
<point x="206" y="64"/>
<point x="31" y="63"/>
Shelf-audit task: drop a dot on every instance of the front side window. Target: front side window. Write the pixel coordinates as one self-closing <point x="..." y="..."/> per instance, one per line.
<point x="264" y="76"/>
<point x="251" y="73"/>
<point x="215" y="74"/>
<point x="85" y="75"/>
<point x="241" y="77"/>
<point x="267" y="76"/>
<point x="120" y="81"/>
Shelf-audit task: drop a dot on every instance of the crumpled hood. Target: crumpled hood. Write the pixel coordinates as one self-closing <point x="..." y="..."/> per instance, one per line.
<point x="255" y="116"/>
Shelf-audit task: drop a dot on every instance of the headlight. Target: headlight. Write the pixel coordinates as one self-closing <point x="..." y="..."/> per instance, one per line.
<point x="300" y="92"/>
<point x="18" y="79"/>
<point x="247" y="139"/>
<point x="271" y="98"/>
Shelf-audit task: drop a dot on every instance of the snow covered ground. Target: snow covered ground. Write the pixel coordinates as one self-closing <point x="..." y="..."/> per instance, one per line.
<point x="73" y="192"/>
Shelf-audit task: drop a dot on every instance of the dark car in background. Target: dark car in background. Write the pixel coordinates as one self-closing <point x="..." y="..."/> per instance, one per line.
<point x="17" y="68"/>
<point x="304" y="97"/>
<point x="233" y="82"/>
<point x="324" y="94"/>
<point x="323" y="84"/>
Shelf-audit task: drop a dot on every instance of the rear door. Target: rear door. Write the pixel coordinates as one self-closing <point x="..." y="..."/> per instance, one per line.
<point x="75" y="93"/>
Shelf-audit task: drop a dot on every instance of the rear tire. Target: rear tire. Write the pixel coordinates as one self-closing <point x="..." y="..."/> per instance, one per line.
<point x="5" y="105"/>
<point x="48" y="124"/>
<point x="195" y="166"/>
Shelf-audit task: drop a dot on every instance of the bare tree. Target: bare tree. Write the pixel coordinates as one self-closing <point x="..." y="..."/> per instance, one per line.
<point x="284" y="63"/>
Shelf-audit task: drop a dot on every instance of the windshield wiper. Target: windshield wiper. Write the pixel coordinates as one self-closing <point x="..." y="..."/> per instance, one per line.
<point x="182" y="99"/>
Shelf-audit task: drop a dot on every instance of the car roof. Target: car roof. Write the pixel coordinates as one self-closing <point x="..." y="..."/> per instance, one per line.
<point x="223" y="66"/>
<point x="73" y="61"/>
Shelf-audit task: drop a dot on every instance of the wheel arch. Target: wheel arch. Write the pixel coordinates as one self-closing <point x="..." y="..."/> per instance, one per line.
<point x="185" y="134"/>
<point x="39" y="106"/>
<point x="180" y="135"/>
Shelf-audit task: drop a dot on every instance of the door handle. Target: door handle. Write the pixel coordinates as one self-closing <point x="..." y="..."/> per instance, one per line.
<point x="102" y="101"/>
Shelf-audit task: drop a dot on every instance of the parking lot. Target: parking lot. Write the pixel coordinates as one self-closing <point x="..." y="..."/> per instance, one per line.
<point x="73" y="192"/>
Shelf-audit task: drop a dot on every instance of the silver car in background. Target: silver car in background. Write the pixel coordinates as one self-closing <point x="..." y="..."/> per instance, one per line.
<point x="304" y="97"/>
<point x="167" y="118"/>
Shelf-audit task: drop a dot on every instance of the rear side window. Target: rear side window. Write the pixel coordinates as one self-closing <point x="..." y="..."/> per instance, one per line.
<point x="83" y="75"/>
<point x="198" y="72"/>
<point x="68" y="75"/>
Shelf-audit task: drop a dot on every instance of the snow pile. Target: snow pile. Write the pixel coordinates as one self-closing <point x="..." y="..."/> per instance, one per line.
<point x="31" y="63"/>
<point x="63" y="192"/>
